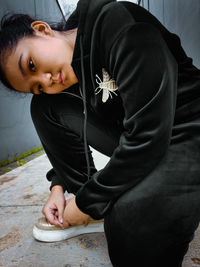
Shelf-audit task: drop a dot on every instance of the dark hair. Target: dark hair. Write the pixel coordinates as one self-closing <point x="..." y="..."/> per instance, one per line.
<point x="14" y="27"/>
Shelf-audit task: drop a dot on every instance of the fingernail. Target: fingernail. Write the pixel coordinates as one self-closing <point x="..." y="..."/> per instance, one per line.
<point x="61" y="220"/>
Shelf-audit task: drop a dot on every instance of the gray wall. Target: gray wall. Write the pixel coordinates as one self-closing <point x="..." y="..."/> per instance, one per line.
<point x="183" y="18"/>
<point x="17" y="133"/>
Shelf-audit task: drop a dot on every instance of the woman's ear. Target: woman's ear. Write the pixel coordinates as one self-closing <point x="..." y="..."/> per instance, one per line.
<point x="41" y="28"/>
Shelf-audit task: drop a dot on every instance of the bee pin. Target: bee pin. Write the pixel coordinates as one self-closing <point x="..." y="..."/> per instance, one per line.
<point x="108" y="86"/>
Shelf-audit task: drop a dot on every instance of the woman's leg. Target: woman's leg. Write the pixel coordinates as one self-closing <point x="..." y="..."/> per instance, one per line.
<point x="153" y="223"/>
<point x="150" y="224"/>
<point x="59" y="120"/>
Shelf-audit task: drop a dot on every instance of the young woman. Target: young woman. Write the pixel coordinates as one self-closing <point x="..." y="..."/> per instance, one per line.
<point x="115" y="79"/>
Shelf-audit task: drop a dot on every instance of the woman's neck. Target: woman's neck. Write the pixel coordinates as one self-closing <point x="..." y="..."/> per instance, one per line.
<point x="69" y="36"/>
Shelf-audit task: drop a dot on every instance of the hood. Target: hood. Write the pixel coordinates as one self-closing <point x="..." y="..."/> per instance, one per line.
<point x="87" y="11"/>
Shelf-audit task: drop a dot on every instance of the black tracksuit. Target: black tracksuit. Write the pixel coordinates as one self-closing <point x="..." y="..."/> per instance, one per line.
<point x="149" y="192"/>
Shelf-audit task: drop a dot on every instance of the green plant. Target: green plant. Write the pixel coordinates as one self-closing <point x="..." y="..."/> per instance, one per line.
<point x="28" y="153"/>
<point x="21" y="162"/>
<point x="6" y="170"/>
<point x="5" y="162"/>
<point x="17" y="158"/>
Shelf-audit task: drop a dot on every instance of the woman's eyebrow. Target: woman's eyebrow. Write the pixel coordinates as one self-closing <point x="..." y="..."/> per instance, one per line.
<point x="20" y="66"/>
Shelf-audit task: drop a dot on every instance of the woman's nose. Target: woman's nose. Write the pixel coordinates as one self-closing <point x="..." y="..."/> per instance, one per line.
<point x="45" y="79"/>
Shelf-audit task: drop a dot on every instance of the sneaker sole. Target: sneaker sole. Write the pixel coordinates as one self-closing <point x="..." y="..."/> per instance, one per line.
<point x="63" y="234"/>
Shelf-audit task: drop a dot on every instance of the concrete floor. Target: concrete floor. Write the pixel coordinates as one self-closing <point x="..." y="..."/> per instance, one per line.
<point x="23" y="192"/>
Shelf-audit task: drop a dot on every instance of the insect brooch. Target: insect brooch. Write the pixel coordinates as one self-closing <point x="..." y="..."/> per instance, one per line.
<point x="107" y="85"/>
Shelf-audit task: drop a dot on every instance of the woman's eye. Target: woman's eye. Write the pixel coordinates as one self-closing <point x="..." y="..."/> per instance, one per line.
<point x="31" y="65"/>
<point x="40" y="89"/>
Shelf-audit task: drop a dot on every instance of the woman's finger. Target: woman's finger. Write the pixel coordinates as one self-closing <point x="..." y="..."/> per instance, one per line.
<point x="52" y="218"/>
<point x="56" y="213"/>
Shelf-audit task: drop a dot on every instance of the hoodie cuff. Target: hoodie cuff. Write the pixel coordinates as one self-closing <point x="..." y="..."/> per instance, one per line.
<point x="51" y="177"/>
<point x="96" y="208"/>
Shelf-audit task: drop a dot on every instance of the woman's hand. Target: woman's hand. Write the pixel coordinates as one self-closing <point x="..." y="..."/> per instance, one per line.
<point x="73" y="215"/>
<point x="54" y="207"/>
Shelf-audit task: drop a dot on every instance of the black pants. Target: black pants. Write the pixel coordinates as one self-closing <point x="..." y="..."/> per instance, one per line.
<point x="150" y="225"/>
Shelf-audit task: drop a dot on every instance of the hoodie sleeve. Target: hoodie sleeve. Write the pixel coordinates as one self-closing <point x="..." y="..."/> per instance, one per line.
<point x="146" y="75"/>
<point x="52" y="177"/>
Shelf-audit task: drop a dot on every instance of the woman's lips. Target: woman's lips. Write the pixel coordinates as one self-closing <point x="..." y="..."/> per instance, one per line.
<point x="61" y="78"/>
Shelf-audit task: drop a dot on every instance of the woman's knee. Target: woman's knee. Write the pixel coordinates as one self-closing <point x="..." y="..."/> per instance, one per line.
<point x="56" y="113"/>
<point x="46" y="111"/>
<point x="38" y="106"/>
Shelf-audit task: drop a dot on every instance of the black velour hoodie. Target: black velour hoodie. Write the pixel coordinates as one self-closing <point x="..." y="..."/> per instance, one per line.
<point x="157" y="99"/>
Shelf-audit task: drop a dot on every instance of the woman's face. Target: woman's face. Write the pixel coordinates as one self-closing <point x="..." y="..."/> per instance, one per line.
<point x="41" y="63"/>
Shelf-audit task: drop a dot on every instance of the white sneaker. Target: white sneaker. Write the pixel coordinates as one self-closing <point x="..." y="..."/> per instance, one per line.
<point x="46" y="232"/>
